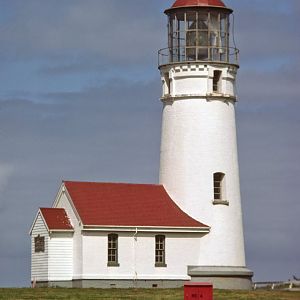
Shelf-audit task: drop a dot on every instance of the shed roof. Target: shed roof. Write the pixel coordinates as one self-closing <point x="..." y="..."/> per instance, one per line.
<point x="56" y="219"/>
<point x="122" y="204"/>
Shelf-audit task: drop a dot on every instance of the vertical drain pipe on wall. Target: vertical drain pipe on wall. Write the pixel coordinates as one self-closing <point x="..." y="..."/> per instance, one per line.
<point x="134" y="257"/>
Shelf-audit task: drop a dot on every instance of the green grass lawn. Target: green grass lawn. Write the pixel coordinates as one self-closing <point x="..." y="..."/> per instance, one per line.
<point x="140" y="294"/>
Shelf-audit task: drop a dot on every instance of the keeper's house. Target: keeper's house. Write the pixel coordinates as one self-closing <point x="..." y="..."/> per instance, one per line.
<point x="114" y="235"/>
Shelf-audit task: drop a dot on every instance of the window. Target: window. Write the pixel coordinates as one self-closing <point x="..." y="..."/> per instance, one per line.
<point x="39" y="244"/>
<point x="218" y="186"/>
<point x="112" y="250"/>
<point x="219" y="189"/>
<point x="198" y="35"/>
<point x="167" y="84"/>
<point x="160" y="251"/>
<point x="217" y="81"/>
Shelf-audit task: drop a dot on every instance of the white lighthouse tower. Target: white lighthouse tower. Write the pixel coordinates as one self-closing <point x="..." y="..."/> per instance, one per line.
<point x="199" y="160"/>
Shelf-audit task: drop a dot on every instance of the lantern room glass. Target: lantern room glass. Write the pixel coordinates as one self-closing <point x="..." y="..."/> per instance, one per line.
<point x="197" y="35"/>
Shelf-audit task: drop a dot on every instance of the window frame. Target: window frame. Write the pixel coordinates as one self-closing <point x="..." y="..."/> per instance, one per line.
<point x="217" y="84"/>
<point x="39" y="244"/>
<point x="219" y="188"/>
<point x="167" y="84"/>
<point x="198" y="23"/>
<point x="112" y="250"/>
<point x="160" y="251"/>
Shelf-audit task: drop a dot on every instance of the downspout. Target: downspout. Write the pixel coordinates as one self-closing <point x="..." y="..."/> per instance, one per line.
<point x="134" y="256"/>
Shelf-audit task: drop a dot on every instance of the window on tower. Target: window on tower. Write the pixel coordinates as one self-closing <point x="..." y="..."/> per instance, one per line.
<point x="218" y="183"/>
<point x="167" y="84"/>
<point x="112" y="251"/>
<point x="219" y="189"/>
<point x="217" y="81"/>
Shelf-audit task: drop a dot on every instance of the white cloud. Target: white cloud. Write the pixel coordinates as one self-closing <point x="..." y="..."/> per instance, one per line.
<point x="91" y="27"/>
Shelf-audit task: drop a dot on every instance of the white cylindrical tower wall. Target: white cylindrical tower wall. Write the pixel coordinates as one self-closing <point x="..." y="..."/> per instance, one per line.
<point x="198" y="140"/>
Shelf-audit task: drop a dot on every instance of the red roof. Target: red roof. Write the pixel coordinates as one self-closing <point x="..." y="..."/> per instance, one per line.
<point x="56" y="218"/>
<point x="121" y="204"/>
<point x="184" y="3"/>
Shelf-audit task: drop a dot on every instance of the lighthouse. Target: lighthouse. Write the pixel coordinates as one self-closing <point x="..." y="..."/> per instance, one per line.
<point x="198" y="158"/>
<point x="189" y="226"/>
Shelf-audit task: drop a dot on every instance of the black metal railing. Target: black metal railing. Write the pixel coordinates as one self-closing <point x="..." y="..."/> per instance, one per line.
<point x="200" y="53"/>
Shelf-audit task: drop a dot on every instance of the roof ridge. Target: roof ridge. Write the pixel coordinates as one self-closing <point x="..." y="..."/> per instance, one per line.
<point x="51" y="208"/>
<point x="106" y="182"/>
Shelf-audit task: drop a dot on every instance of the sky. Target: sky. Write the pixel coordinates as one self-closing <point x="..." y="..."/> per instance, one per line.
<point x="79" y="100"/>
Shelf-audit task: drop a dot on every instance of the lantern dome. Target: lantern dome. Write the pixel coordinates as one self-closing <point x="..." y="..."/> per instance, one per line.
<point x="198" y="3"/>
<point x="198" y="30"/>
<point x="184" y="3"/>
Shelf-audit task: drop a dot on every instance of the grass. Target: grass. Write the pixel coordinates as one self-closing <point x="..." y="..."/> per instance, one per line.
<point x="136" y="294"/>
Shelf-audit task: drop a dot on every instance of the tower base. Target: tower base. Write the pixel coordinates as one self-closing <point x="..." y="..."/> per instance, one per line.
<point x="234" y="278"/>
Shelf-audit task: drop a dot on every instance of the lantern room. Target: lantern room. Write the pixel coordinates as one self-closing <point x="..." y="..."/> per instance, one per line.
<point x="198" y="30"/>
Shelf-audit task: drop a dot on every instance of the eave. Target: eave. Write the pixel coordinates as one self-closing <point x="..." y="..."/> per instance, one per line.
<point x="170" y="229"/>
<point x="61" y="230"/>
<point x="43" y="219"/>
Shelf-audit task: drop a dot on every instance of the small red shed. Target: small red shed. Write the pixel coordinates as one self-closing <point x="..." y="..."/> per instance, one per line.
<point x="198" y="291"/>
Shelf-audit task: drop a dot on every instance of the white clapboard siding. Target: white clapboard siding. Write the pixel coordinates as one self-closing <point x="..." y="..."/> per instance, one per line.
<point x="39" y="261"/>
<point x="63" y="202"/>
<point x="61" y="257"/>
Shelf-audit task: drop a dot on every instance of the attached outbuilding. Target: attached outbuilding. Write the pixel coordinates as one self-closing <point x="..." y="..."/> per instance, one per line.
<point x="51" y="246"/>
<point x="114" y="235"/>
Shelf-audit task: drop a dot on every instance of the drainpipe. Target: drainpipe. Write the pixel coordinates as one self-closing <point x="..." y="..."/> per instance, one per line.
<point x="134" y="255"/>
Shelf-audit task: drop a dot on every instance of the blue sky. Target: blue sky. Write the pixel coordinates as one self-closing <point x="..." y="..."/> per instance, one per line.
<point x="79" y="99"/>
